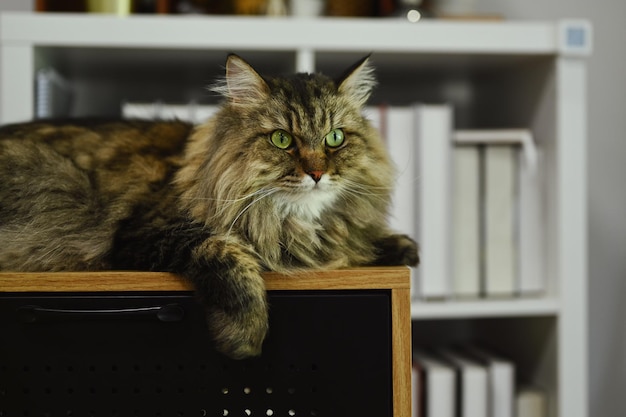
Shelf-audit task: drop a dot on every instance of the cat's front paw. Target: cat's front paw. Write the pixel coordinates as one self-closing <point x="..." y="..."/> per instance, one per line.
<point x="234" y="291"/>
<point x="397" y="250"/>
<point x="238" y="318"/>
<point x="239" y="334"/>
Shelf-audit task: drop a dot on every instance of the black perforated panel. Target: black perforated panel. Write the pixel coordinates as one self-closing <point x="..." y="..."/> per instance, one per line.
<point x="327" y="354"/>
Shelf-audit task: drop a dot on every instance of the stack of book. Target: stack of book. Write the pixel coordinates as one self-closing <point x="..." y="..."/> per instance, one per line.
<point x="471" y="198"/>
<point x="189" y="112"/>
<point x="470" y="382"/>
<point x="497" y="242"/>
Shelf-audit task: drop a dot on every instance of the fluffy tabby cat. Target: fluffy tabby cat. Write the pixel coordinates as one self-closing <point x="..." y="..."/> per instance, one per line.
<point x="288" y="175"/>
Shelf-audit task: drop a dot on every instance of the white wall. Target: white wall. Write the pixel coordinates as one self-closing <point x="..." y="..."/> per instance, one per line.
<point x="606" y="183"/>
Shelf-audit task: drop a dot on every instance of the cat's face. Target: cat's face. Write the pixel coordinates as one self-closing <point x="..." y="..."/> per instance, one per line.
<point x="300" y="141"/>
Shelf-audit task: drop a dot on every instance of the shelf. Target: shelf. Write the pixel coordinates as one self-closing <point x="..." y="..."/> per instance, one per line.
<point x="194" y="47"/>
<point x="494" y="74"/>
<point x="334" y="34"/>
<point x="484" y="308"/>
<point x="113" y="53"/>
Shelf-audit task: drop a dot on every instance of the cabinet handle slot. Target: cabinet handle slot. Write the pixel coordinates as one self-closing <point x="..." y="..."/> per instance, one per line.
<point x="35" y="314"/>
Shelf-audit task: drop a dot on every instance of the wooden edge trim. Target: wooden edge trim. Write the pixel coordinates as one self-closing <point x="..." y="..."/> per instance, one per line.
<point x="401" y="351"/>
<point x="112" y="281"/>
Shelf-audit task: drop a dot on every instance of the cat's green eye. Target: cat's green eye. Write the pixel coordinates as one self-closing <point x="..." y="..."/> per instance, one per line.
<point x="281" y="139"/>
<point x="334" y="138"/>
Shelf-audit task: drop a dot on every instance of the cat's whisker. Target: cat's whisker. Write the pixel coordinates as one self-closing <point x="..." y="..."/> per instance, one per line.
<point x="264" y="193"/>
<point x="221" y="209"/>
<point x="366" y="187"/>
<point x="224" y="200"/>
<point x="347" y="192"/>
<point x="366" y="193"/>
<point x="365" y="190"/>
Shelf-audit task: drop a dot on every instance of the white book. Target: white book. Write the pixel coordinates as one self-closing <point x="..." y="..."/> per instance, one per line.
<point x="466" y="222"/>
<point x="433" y="136"/>
<point x="53" y="94"/>
<point x="471" y="384"/>
<point x="396" y="126"/>
<point x="530" y="274"/>
<point x="191" y="112"/>
<point x="530" y="402"/>
<point x="436" y="396"/>
<point x="529" y="228"/>
<point x="500" y="249"/>
<point x="501" y="381"/>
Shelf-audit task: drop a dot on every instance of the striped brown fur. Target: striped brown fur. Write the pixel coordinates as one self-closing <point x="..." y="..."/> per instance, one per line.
<point x="217" y="203"/>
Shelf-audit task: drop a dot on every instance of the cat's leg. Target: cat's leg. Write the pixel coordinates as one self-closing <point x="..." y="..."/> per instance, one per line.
<point x="236" y="295"/>
<point x="224" y="271"/>
<point x="396" y="249"/>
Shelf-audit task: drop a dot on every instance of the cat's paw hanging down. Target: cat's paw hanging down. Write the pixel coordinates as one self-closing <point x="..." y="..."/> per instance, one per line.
<point x="235" y="293"/>
<point x="288" y="175"/>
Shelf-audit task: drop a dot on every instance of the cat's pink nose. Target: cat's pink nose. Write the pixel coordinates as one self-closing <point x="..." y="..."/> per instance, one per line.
<point x="316" y="175"/>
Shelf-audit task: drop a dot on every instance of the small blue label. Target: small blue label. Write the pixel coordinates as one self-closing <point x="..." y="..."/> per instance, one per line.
<point x="576" y="37"/>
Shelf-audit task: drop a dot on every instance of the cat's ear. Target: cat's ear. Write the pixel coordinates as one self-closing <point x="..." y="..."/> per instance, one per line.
<point x="242" y="84"/>
<point x="358" y="82"/>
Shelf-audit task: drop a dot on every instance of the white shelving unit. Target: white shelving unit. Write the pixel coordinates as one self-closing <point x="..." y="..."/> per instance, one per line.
<point x="509" y="74"/>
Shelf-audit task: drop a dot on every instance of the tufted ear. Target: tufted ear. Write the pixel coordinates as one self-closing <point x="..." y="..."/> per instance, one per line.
<point x="358" y="82"/>
<point x="242" y="84"/>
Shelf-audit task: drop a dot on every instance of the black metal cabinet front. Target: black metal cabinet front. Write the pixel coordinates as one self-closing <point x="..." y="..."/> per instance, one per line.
<point x="328" y="353"/>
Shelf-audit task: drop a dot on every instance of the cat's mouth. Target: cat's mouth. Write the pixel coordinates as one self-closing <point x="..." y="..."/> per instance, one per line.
<point x="307" y="192"/>
<point x="307" y="184"/>
<point x="316" y="183"/>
